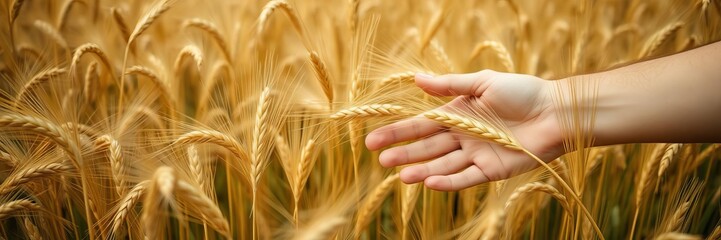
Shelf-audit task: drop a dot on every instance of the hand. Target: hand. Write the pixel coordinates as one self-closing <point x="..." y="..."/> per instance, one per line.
<point x="524" y="103"/>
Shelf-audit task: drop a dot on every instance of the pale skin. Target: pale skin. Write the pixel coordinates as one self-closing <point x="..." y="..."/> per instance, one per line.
<point x="671" y="99"/>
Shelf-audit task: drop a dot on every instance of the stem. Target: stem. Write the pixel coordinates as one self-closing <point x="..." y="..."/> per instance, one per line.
<point x="567" y="188"/>
<point x="254" y="213"/>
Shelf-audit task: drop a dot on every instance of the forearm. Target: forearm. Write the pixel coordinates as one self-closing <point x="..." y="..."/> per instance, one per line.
<point x="671" y="99"/>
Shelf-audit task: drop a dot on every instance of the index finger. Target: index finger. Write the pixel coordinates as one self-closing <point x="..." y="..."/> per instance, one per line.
<point x="405" y="130"/>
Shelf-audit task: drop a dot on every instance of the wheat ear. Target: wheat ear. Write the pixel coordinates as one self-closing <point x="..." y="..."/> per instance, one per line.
<point x="162" y="189"/>
<point x="677" y="236"/>
<point x="140" y="27"/>
<point x="270" y="8"/>
<point x="408" y="204"/>
<point x="8" y="159"/>
<point x="215" y="137"/>
<point x="120" y="21"/>
<point x="15" y="10"/>
<point x="500" y="51"/>
<point x="472" y="126"/>
<point x="400" y="78"/>
<point x="715" y="234"/>
<point x="44" y="128"/>
<point x="668" y="156"/>
<point x="213" y="31"/>
<point x="677" y="219"/>
<point x="371" y="110"/>
<point x="117" y="164"/>
<point x="128" y="203"/>
<point x="321" y="73"/>
<point x="353" y="16"/>
<point x="9" y="209"/>
<point x="189" y="51"/>
<point x="484" y="132"/>
<point x="31" y="230"/>
<point x="206" y="207"/>
<point x="196" y="167"/>
<point x="373" y="202"/>
<point x="38" y="79"/>
<point x="538" y="187"/>
<point x="305" y="165"/>
<point x="433" y="26"/>
<point x="659" y="38"/>
<point x="259" y="148"/>
<point x="320" y="230"/>
<point x="89" y="48"/>
<point x="28" y="174"/>
<point x="157" y="82"/>
<point x="91" y="76"/>
<point x="49" y="30"/>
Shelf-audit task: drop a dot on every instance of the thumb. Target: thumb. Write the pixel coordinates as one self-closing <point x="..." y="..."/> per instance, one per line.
<point x="455" y="84"/>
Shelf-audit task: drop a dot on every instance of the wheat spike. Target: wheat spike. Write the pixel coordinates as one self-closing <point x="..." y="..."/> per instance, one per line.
<point x="715" y="234"/>
<point x="31" y="230"/>
<point x="473" y="127"/>
<point x="371" y="110"/>
<point x="48" y="29"/>
<point x="668" y="156"/>
<point x="500" y="51"/>
<point x="538" y="187"/>
<point x="117" y="164"/>
<point x="120" y="21"/>
<point x="9" y="209"/>
<point x="150" y="17"/>
<point x="677" y="236"/>
<point x="659" y="38"/>
<point x="89" y="48"/>
<point x="260" y="146"/>
<point x="15" y="10"/>
<point x="320" y="229"/>
<point x="8" y="159"/>
<point x="678" y="217"/>
<point x="373" y="201"/>
<point x="45" y="128"/>
<point x="215" y="137"/>
<point x="206" y="207"/>
<point x="400" y="78"/>
<point x="160" y="192"/>
<point x="91" y="77"/>
<point x="322" y="74"/>
<point x="157" y="82"/>
<point x="38" y="79"/>
<point x="213" y="31"/>
<point x="196" y="167"/>
<point x="646" y="176"/>
<point x="305" y="165"/>
<point x="28" y="174"/>
<point x="408" y="203"/>
<point x="128" y="203"/>
<point x="270" y="8"/>
<point x="189" y="51"/>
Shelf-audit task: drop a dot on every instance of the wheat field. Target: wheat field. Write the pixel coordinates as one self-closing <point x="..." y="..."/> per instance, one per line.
<point x="188" y="119"/>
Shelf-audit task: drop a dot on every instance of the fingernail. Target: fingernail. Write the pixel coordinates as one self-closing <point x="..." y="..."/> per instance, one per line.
<point x="424" y="77"/>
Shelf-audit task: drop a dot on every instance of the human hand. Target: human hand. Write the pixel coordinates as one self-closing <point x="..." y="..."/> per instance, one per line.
<point x="523" y="103"/>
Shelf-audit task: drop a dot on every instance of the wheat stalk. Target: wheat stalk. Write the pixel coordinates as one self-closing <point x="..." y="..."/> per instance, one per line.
<point x="659" y="38"/>
<point x="371" y="110"/>
<point x="127" y="204"/>
<point x="213" y="31"/>
<point x="27" y="174"/>
<point x="373" y="201"/>
<point x="322" y="74"/>
<point x="117" y="164"/>
<point x="38" y="79"/>
<point x="9" y="209"/>
<point x="206" y="207"/>
<point x="500" y="51"/>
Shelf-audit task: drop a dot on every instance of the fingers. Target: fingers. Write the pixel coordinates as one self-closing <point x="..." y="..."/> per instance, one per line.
<point x="425" y="149"/>
<point x="409" y="129"/>
<point x="455" y="84"/>
<point x="447" y="164"/>
<point x="471" y="176"/>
